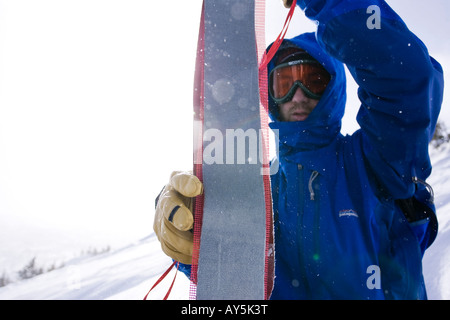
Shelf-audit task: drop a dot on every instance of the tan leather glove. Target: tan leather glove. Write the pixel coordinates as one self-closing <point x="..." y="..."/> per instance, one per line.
<point x="287" y="3"/>
<point x="173" y="216"/>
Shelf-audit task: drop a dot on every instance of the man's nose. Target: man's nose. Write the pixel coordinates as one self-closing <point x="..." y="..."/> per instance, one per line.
<point x="299" y="96"/>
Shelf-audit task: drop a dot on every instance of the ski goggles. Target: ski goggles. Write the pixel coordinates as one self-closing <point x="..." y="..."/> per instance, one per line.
<point x="307" y="74"/>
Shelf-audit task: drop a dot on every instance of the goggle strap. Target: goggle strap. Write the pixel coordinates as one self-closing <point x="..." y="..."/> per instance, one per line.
<point x="294" y="63"/>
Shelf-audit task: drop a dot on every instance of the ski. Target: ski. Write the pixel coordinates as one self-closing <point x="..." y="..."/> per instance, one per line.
<point x="232" y="255"/>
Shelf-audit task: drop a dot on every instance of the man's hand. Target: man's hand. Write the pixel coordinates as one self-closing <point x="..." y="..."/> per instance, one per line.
<point x="287" y="3"/>
<point x="173" y="216"/>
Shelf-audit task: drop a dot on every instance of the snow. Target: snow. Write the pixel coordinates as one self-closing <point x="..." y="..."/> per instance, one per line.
<point x="127" y="273"/>
<point x="437" y="258"/>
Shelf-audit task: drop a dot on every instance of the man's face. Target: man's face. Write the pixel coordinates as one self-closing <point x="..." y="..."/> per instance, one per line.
<point x="296" y="84"/>
<point x="297" y="109"/>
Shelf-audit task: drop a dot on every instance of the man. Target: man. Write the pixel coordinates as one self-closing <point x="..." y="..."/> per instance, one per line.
<point x="352" y="214"/>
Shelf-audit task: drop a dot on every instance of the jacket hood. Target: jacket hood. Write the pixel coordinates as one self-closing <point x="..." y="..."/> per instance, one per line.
<point x="324" y="122"/>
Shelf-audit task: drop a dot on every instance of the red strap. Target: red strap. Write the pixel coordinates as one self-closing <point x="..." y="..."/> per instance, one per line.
<point x="269" y="55"/>
<point x="199" y="94"/>
<point x="261" y="48"/>
<point x="162" y="277"/>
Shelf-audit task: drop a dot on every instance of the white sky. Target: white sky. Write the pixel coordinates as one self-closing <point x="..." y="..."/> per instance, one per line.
<point x="96" y="104"/>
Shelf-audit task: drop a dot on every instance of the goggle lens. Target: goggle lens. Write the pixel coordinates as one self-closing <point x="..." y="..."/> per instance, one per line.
<point x="312" y="76"/>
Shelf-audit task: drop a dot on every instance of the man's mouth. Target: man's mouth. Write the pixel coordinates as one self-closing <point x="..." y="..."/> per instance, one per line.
<point x="299" y="116"/>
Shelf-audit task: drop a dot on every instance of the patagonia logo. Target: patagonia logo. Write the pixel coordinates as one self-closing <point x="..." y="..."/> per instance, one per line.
<point x="348" y="213"/>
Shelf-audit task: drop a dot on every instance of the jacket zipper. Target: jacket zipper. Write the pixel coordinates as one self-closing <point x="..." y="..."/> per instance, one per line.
<point x="313" y="177"/>
<point x="417" y="180"/>
<point x="316" y="218"/>
<point x="313" y="196"/>
<point x="300" y="218"/>
<point x="316" y="223"/>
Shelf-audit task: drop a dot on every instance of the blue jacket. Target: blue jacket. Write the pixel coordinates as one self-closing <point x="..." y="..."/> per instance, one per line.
<point x="340" y="232"/>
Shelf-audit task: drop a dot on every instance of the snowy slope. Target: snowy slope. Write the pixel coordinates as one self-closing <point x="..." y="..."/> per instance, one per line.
<point x="125" y="274"/>
<point x="129" y="272"/>
<point x="437" y="257"/>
